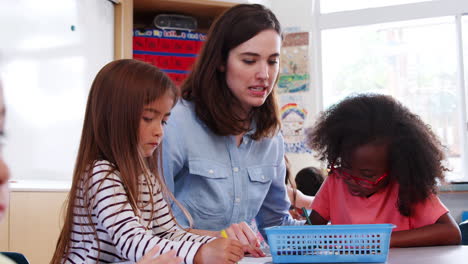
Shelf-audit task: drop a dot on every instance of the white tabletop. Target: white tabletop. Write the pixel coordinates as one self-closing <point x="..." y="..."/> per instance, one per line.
<point x="429" y="255"/>
<point x="423" y="255"/>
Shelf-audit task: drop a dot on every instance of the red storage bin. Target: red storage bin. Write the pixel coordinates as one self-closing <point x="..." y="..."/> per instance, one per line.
<point x="177" y="78"/>
<point x="165" y="45"/>
<point x="140" y="57"/>
<point x="190" y="47"/>
<point x="177" y="46"/>
<point x="182" y="63"/>
<point x="152" y="44"/>
<point x="139" y="43"/>
<point x="164" y="62"/>
<point x="168" y="50"/>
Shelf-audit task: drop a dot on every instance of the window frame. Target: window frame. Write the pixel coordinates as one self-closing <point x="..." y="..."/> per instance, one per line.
<point x="387" y="14"/>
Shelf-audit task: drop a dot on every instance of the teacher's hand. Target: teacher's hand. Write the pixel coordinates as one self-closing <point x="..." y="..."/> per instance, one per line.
<point x="244" y="234"/>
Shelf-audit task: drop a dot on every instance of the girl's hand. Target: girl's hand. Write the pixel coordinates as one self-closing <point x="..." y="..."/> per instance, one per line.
<point x="166" y="258"/>
<point x="444" y="231"/>
<point x="244" y="234"/>
<point x="221" y="250"/>
<point x="296" y="214"/>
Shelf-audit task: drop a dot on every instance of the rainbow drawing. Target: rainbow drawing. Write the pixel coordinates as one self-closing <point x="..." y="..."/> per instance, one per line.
<point x="292" y="108"/>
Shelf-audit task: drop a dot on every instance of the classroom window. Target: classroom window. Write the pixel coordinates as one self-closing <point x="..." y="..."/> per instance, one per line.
<point x="418" y="61"/>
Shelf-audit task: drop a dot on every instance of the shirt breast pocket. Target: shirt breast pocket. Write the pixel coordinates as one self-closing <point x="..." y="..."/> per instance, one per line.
<point x="211" y="185"/>
<point x="260" y="181"/>
<point x="261" y="175"/>
<point x="207" y="169"/>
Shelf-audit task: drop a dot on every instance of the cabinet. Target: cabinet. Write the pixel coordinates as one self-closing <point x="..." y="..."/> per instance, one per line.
<point x="33" y="224"/>
<point x="129" y="11"/>
<point x="4" y="233"/>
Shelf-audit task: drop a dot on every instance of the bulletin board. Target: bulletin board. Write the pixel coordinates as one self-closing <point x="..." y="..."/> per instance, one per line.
<point x="293" y="84"/>
<point x="294" y="74"/>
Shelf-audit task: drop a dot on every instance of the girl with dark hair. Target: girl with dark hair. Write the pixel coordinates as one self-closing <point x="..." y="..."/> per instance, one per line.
<point x="308" y="180"/>
<point x="384" y="164"/>
<point x="223" y="154"/>
<point x="117" y="209"/>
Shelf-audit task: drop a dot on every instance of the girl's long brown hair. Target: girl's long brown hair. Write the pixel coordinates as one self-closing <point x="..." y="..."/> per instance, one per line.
<point x="110" y="132"/>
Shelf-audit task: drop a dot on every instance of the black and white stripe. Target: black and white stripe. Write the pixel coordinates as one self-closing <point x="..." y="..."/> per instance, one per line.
<point x="122" y="234"/>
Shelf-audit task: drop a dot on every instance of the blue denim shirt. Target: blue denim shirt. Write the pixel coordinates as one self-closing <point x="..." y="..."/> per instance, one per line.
<point x="220" y="183"/>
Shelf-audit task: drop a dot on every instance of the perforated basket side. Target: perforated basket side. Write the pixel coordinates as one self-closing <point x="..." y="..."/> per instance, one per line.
<point x="332" y="243"/>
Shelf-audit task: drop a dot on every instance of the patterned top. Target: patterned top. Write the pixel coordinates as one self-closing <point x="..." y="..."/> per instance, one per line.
<point x="123" y="235"/>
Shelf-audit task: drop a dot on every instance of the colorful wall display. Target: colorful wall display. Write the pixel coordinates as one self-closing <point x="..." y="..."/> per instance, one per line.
<point x="294" y="72"/>
<point x="293" y="117"/>
<point x="293" y="84"/>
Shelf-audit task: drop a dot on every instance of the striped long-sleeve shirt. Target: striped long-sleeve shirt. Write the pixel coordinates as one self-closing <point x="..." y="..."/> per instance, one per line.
<point x="123" y="235"/>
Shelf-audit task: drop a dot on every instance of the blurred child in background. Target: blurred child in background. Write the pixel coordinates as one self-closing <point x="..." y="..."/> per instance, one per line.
<point x="308" y="180"/>
<point x="302" y="188"/>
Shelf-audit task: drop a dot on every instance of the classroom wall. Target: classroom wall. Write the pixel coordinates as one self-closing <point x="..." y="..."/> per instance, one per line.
<point x="456" y="202"/>
<point x="296" y="17"/>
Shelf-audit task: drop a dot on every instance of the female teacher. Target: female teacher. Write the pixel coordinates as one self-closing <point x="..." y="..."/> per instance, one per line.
<point x="223" y="155"/>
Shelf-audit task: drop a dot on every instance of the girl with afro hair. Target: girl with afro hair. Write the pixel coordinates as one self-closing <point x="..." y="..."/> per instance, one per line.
<point x="384" y="164"/>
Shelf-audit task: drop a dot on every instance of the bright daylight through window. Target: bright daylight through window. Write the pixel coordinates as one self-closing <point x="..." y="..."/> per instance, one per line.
<point x="418" y="59"/>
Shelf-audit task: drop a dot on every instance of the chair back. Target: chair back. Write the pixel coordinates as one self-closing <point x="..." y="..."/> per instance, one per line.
<point x="16" y="257"/>
<point x="464" y="232"/>
<point x="464" y="216"/>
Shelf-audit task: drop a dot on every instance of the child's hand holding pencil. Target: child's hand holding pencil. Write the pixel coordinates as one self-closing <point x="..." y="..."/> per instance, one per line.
<point x="220" y="250"/>
<point x="244" y="234"/>
<point x="306" y="215"/>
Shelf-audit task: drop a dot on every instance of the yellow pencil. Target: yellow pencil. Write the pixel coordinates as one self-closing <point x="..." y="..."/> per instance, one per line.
<point x="223" y="233"/>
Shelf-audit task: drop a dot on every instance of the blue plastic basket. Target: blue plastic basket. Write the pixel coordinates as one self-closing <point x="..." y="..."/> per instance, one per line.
<point x="329" y="243"/>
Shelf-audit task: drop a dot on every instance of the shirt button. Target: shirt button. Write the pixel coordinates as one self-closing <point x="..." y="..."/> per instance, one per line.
<point x="235" y="169"/>
<point x="237" y="200"/>
<point x="263" y="177"/>
<point x="211" y="171"/>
